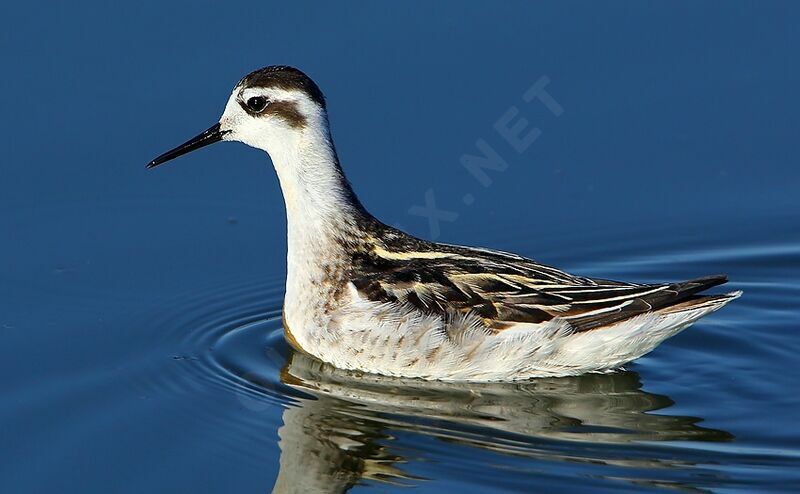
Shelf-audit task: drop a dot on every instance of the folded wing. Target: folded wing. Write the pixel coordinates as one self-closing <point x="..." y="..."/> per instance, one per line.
<point x="506" y="290"/>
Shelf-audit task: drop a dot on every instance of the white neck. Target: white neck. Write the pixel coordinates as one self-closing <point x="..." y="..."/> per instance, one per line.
<point x="323" y="216"/>
<point x="325" y="219"/>
<point x="320" y="205"/>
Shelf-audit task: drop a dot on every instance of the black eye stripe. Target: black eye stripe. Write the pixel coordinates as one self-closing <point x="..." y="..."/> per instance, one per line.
<point x="256" y="103"/>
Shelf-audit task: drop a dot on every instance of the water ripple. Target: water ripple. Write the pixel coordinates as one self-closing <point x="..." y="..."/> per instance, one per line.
<point x="360" y="428"/>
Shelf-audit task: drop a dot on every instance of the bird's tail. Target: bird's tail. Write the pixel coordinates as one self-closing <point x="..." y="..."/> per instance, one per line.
<point x="701" y="303"/>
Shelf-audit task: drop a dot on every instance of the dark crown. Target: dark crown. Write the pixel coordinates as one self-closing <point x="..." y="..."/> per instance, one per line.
<point x="284" y="77"/>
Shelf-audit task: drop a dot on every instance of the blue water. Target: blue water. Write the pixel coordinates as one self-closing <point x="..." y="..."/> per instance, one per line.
<point x="140" y="334"/>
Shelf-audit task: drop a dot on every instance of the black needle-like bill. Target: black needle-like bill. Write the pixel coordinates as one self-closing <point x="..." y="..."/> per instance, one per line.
<point x="210" y="136"/>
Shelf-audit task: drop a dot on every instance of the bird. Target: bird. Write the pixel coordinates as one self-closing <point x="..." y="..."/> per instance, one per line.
<point x="369" y="298"/>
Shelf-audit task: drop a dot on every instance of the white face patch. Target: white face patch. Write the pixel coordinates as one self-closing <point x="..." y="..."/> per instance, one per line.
<point x="261" y="130"/>
<point x="272" y="94"/>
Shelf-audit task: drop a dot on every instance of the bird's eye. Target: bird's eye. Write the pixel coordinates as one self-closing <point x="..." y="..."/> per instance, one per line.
<point x="257" y="103"/>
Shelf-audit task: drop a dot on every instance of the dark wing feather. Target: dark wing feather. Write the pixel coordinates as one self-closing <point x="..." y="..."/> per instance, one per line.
<point x="505" y="289"/>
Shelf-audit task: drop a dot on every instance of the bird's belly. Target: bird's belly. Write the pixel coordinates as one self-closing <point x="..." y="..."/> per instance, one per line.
<point x="399" y="340"/>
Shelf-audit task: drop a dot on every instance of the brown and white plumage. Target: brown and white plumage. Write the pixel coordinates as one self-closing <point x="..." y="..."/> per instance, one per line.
<point x="362" y="295"/>
<point x="503" y="288"/>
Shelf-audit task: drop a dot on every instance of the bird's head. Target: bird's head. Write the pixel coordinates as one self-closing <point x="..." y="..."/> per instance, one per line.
<point x="269" y="109"/>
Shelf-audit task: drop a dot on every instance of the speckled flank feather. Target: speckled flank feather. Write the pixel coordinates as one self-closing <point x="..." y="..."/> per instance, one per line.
<point x="400" y="340"/>
<point x="362" y="295"/>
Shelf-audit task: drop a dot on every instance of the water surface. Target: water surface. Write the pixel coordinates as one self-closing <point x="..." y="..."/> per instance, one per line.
<point x="131" y="387"/>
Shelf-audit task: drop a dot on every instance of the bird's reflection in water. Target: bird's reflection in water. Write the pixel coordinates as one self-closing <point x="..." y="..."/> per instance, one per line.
<point x="344" y="434"/>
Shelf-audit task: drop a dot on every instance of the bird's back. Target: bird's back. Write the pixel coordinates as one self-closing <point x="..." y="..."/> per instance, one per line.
<point x="504" y="289"/>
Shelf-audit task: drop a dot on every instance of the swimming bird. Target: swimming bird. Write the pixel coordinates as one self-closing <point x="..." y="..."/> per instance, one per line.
<point x="365" y="296"/>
